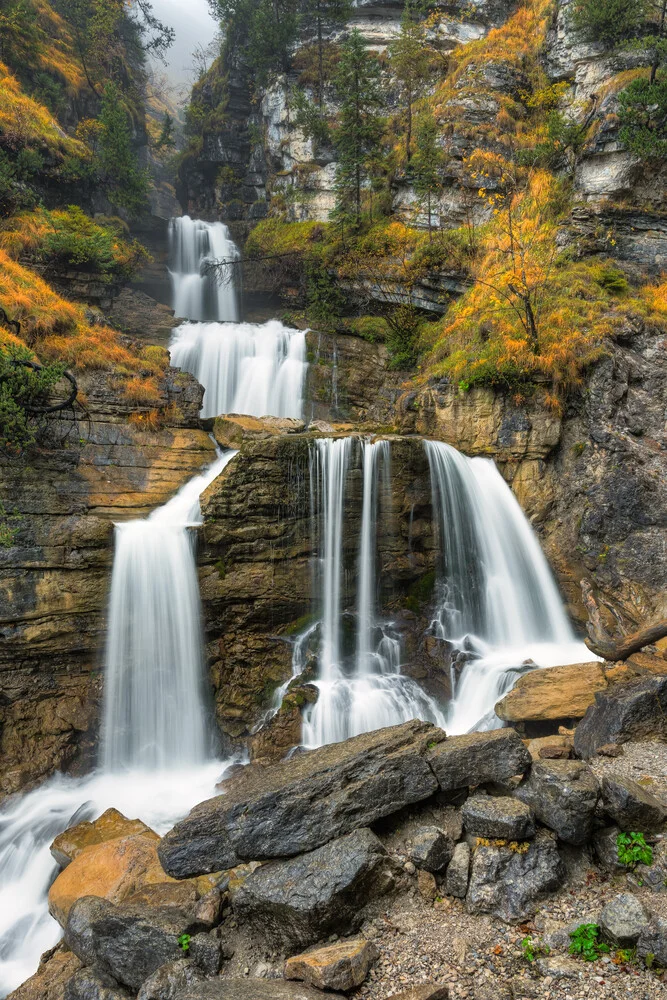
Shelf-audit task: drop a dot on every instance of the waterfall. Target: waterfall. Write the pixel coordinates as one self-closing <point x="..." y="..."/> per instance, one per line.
<point x="198" y="294"/>
<point x="155" y="756"/>
<point x="244" y="367"/>
<point x="154" y="712"/>
<point x="498" y="600"/>
<point x="363" y="689"/>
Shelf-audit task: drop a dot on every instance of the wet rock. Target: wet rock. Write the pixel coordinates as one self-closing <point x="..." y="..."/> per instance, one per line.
<point x="284" y="809"/>
<point x="431" y="849"/>
<point x="622" y="713"/>
<point x="90" y="984"/>
<point x="341" y="966"/>
<point x="553" y="693"/>
<point x="623" y="919"/>
<point x="296" y="902"/>
<point x="473" y="759"/>
<point x="252" y="989"/>
<point x="510" y="884"/>
<point x="458" y="870"/>
<point x="126" y="942"/>
<point x="170" y="980"/>
<point x="111" y="825"/>
<point x="500" y="817"/>
<point x="605" y="843"/>
<point x="563" y="795"/>
<point x="652" y="943"/>
<point x="111" y="870"/>
<point x="630" y="805"/>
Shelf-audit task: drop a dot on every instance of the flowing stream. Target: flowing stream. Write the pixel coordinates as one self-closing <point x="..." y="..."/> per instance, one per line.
<point x="199" y="293"/>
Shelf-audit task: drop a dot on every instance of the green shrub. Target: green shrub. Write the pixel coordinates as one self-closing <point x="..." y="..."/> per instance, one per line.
<point x="22" y="389"/>
<point x="643" y="118"/>
<point x="585" y="941"/>
<point x="632" y="849"/>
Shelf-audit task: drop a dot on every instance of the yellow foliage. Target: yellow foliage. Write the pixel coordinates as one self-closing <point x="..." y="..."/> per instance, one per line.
<point x="56" y="54"/>
<point x="25" y="122"/>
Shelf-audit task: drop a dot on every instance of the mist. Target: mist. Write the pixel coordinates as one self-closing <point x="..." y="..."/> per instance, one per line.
<point x="194" y="26"/>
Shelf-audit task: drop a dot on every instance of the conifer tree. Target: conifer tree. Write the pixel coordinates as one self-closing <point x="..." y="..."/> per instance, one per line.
<point x="427" y="164"/>
<point x="360" y="125"/>
<point x="409" y="62"/>
<point x="322" y="17"/>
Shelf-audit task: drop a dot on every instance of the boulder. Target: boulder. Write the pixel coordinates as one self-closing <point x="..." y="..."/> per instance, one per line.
<point x="231" y="430"/>
<point x="458" y="870"/>
<point x="499" y="817"/>
<point x="510" y="883"/>
<point x="127" y="942"/>
<point x="170" y="980"/>
<point x="341" y="966"/>
<point x="473" y="759"/>
<point x="623" y="919"/>
<point x="205" y="954"/>
<point x="553" y="693"/>
<point x="56" y="967"/>
<point x="563" y="795"/>
<point x="605" y="843"/>
<point x="112" y="870"/>
<point x="630" y="806"/>
<point x="294" y="903"/>
<point x="111" y="825"/>
<point x="253" y="989"/>
<point x="624" y="712"/>
<point x="90" y="984"/>
<point x="652" y="943"/>
<point x="284" y="809"/>
<point x="431" y="849"/>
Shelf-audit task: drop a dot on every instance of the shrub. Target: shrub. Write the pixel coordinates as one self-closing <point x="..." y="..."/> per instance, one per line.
<point x="22" y="391"/>
<point x="643" y="118"/>
<point x="632" y="849"/>
<point x="585" y="941"/>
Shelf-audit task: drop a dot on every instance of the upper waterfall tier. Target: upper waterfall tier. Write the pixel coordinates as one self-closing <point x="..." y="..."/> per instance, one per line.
<point x="244" y="367"/>
<point x="199" y="293"/>
<point x="154" y="708"/>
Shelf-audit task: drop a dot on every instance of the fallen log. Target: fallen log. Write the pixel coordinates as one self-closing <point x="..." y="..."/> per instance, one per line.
<point x="603" y="644"/>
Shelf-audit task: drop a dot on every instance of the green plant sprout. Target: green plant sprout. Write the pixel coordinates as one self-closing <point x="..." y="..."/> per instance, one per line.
<point x="632" y="849"/>
<point x="585" y="941"/>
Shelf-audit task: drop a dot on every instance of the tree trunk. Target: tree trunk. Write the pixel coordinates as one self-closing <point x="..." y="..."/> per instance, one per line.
<point x="603" y="644"/>
<point x="320" y="59"/>
<point x="661" y="32"/>
<point x="408" y="131"/>
<point x="430" y="228"/>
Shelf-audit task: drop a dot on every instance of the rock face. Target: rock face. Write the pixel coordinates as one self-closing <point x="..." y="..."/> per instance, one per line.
<point x="341" y="966"/>
<point x="54" y="578"/>
<point x="631" y="806"/>
<point x="625" y="712"/>
<point x="291" y="904"/>
<point x="510" y="883"/>
<point x="554" y="693"/>
<point x="499" y="817"/>
<point x="563" y="795"/>
<point x="477" y="758"/>
<point x="283" y="809"/>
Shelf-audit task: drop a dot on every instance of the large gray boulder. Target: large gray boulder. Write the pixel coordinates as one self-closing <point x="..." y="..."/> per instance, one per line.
<point x="624" y="712"/>
<point x="252" y="989"/>
<point x="623" y="919"/>
<point x="563" y="795"/>
<point x="297" y="805"/>
<point x="632" y="807"/>
<point x="89" y="984"/>
<point x="474" y="759"/>
<point x="294" y="903"/>
<point x="499" y="817"/>
<point x="510" y="884"/>
<point x="128" y="943"/>
<point x="653" y="942"/>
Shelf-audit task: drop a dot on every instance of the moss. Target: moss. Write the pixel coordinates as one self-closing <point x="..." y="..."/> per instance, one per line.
<point x="421" y="592"/>
<point x="300" y="625"/>
<point x="221" y="568"/>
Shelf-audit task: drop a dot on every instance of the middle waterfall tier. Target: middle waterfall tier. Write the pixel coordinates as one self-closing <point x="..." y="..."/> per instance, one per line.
<point x="247" y="368"/>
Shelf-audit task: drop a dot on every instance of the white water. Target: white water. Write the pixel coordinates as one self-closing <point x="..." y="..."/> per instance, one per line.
<point x="244" y="367"/>
<point x="364" y="691"/>
<point x="498" y="597"/>
<point x="198" y="294"/>
<point x="155" y="747"/>
<point x="154" y="708"/>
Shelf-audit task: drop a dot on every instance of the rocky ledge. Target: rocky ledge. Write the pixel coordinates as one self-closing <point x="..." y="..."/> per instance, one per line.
<point x="308" y="875"/>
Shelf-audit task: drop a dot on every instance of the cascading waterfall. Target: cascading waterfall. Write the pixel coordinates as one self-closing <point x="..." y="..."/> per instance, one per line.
<point x="244" y="367"/>
<point x="365" y="690"/>
<point x="498" y="600"/>
<point x="199" y="294"/>
<point x="156" y="760"/>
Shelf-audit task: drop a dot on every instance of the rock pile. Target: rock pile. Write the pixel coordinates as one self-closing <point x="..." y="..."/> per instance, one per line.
<point x="293" y="857"/>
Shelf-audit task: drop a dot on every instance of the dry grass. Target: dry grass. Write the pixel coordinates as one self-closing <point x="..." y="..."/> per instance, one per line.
<point x="25" y="122"/>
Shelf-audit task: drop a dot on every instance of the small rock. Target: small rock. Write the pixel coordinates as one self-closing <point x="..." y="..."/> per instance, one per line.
<point x="432" y="849"/>
<point x="552" y="752"/>
<point x="427" y="991"/>
<point x="610" y="750"/>
<point x="458" y="870"/>
<point x="623" y="919"/>
<point x="341" y="966"/>
<point x="563" y="795"/>
<point x="630" y="805"/>
<point x="409" y="867"/>
<point x="605" y="842"/>
<point x="653" y="941"/>
<point x="498" y="817"/>
<point x="426" y="884"/>
<point x="559" y="967"/>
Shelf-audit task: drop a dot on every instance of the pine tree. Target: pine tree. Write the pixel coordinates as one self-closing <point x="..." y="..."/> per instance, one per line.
<point x="409" y="62"/>
<point x="427" y="164"/>
<point x="126" y="181"/>
<point x="322" y="17"/>
<point x="360" y="125"/>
